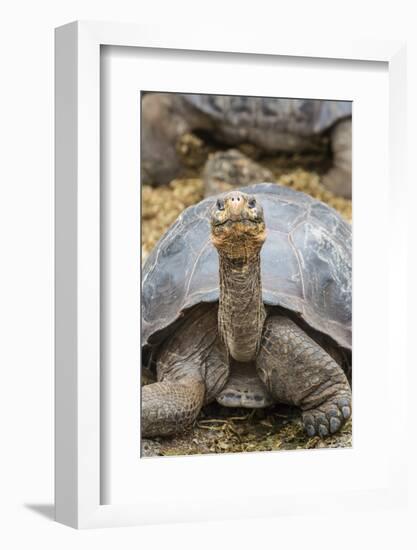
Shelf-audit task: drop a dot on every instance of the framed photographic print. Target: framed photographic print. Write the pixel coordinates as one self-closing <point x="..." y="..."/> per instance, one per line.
<point x="220" y="336"/>
<point x="247" y="295"/>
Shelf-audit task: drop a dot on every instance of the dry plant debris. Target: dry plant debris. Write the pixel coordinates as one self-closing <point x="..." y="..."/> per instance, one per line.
<point x="162" y="205"/>
<point x="221" y="430"/>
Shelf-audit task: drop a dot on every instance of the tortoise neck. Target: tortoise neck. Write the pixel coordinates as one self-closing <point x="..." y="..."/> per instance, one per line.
<point x="241" y="309"/>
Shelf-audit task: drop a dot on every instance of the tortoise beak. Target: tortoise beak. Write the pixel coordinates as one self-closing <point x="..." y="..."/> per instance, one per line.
<point x="236" y="204"/>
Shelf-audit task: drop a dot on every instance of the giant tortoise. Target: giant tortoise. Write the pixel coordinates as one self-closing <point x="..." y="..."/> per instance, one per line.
<point x="246" y="300"/>
<point x="273" y="125"/>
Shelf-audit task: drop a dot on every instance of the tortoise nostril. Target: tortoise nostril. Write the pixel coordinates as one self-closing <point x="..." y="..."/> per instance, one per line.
<point x="220" y="204"/>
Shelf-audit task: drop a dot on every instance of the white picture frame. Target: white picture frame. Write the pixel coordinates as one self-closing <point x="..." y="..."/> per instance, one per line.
<point x="78" y="264"/>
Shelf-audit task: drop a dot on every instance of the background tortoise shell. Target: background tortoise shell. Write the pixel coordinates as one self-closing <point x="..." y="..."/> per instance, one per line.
<point x="305" y="263"/>
<point x="302" y="117"/>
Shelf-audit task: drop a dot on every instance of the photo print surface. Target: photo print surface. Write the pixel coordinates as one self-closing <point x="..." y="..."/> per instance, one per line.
<point x="246" y="314"/>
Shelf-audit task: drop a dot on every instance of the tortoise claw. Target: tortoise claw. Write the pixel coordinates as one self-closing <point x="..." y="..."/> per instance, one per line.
<point x="346" y="412"/>
<point x="335" y="425"/>
<point x="323" y="431"/>
<point x="311" y="431"/>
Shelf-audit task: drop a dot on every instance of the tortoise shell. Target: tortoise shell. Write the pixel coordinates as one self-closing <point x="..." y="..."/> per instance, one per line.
<point x="302" y="117"/>
<point x="305" y="265"/>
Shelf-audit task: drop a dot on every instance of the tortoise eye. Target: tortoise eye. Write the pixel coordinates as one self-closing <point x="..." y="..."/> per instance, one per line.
<point x="252" y="202"/>
<point x="220" y="204"/>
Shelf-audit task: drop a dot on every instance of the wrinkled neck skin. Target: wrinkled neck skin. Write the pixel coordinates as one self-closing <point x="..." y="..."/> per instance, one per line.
<point x="241" y="309"/>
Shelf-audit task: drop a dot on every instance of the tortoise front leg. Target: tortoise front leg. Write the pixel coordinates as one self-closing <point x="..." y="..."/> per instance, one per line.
<point x="162" y="125"/>
<point x="171" y="407"/>
<point x="165" y="119"/>
<point x="297" y="371"/>
<point x="192" y="368"/>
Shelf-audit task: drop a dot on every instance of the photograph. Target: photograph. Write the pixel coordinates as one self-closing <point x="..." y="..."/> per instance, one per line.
<point x="246" y="276"/>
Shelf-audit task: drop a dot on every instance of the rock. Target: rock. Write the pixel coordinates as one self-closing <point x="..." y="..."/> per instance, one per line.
<point x="227" y="169"/>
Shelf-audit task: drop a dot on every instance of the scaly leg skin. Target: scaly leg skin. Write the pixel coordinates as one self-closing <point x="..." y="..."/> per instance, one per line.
<point x="297" y="371"/>
<point x="161" y="127"/>
<point x="165" y="118"/>
<point x="170" y="407"/>
<point x="192" y="368"/>
<point x="339" y="178"/>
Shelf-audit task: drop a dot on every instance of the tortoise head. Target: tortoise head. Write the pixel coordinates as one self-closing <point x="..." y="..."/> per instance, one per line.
<point x="238" y="225"/>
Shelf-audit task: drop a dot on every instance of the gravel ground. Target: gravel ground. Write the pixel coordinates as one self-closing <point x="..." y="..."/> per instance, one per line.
<point x="221" y="430"/>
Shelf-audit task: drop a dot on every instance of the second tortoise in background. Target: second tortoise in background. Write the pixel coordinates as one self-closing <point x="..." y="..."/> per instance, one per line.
<point x="273" y="125"/>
